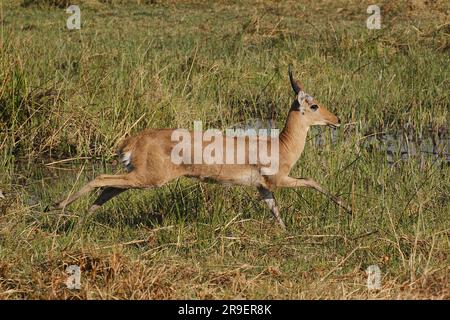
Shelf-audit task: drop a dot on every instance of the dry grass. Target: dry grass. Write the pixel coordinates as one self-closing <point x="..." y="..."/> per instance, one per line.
<point x="67" y="98"/>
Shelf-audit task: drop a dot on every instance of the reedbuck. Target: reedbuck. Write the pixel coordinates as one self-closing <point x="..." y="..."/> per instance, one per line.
<point x="147" y="159"/>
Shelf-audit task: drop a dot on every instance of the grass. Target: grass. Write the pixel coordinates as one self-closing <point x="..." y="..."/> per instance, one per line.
<point x="68" y="97"/>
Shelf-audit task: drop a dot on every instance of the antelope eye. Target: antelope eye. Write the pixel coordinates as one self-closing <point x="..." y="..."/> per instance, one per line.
<point x="314" y="107"/>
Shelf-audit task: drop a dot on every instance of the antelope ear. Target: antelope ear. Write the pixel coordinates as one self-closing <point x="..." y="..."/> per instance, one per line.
<point x="301" y="96"/>
<point x="295" y="86"/>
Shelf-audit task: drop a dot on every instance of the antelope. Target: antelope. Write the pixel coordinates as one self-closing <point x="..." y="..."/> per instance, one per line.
<point x="147" y="160"/>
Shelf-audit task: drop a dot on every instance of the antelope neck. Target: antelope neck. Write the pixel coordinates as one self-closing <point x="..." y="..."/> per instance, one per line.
<point x="292" y="138"/>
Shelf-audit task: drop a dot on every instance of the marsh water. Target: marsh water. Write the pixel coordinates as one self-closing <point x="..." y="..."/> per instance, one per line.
<point x="403" y="147"/>
<point x="399" y="145"/>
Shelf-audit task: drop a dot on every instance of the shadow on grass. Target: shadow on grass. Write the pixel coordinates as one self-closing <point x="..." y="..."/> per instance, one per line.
<point x="173" y="203"/>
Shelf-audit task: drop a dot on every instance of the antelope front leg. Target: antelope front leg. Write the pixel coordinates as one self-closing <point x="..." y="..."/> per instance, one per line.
<point x="309" y="183"/>
<point x="269" y="199"/>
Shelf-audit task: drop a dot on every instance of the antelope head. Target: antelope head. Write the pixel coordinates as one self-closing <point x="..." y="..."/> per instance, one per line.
<point x="313" y="113"/>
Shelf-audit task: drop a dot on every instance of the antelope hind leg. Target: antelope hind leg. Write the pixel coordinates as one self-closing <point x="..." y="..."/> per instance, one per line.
<point x="124" y="181"/>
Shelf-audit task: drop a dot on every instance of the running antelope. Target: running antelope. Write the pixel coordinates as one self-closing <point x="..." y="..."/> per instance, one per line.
<point x="147" y="159"/>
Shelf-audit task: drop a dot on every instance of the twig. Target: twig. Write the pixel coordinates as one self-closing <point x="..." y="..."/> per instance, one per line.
<point x="125" y="243"/>
<point x="67" y="160"/>
<point x="341" y="263"/>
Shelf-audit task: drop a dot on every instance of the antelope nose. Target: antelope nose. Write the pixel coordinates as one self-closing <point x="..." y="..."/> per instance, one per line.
<point x="339" y="121"/>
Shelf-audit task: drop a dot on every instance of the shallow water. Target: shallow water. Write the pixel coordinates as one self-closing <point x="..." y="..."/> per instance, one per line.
<point x="404" y="147"/>
<point x="398" y="145"/>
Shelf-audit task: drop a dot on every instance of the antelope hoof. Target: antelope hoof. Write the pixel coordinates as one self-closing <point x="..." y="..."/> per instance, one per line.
<point x="281" y="224"/>
<point x="54" y="206"/>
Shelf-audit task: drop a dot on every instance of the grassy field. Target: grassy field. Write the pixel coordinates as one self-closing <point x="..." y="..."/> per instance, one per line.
<point x="68" y="97"/>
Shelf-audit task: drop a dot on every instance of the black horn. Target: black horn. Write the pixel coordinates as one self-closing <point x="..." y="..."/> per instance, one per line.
<point x="294" y="83"/>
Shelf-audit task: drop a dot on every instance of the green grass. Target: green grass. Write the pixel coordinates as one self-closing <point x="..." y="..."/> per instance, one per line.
<point x="68" y="97"/>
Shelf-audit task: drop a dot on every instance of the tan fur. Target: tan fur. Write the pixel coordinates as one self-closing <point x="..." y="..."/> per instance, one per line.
<point x="151" y="164"/>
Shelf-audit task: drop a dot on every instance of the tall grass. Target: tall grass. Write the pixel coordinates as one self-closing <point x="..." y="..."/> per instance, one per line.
<point x="68" y="97"/>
